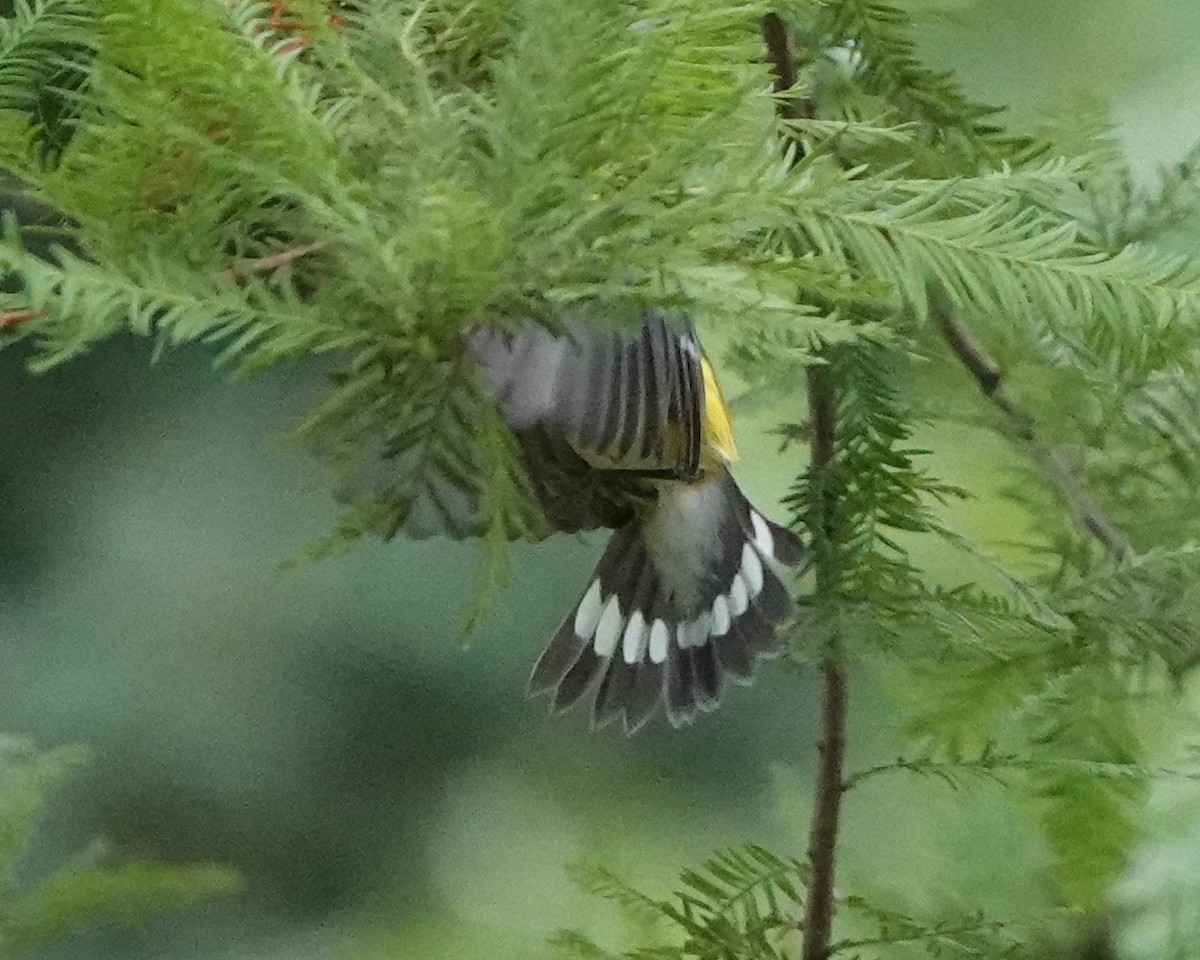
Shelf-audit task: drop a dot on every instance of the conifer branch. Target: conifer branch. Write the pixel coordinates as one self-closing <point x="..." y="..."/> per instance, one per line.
<point x="1087" y="514"/>
<point x="999" y="767"/>
<point x="822" y="414"/>
<point x="970" y="937"/>
<point x="12" y="318"/>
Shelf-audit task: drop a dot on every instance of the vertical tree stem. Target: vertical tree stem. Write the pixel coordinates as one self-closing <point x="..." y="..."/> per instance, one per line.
<point x="822" y="416"/>
<point x="827" y="806"/>
<point x="831" y="746"/>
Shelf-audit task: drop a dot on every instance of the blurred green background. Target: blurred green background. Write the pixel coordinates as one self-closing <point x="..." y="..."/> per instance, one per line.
<point x="386" y="792"/>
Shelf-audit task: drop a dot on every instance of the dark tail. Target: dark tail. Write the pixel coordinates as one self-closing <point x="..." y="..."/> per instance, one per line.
<point x="683" y="597"/>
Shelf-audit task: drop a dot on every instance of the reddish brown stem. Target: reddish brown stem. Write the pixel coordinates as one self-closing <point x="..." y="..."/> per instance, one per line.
<point x="1086" y="512"/>
<point x="827" y="806"/>
<point x="822" y="417"/>
<point x="831" y="746"/>
<point x="268" y="263"/>
<point x="11" y="318"/>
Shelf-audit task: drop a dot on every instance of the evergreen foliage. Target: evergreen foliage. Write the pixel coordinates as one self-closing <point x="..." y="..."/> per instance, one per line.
<point x="372" y="180"/>
<point x="86" y="894"/>
<point x="742" y="903"/>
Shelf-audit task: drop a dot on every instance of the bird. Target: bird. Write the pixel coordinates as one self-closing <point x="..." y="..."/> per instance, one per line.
<point x="630" y="431"/>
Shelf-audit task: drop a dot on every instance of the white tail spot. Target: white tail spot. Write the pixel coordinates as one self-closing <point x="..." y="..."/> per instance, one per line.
<point x="633" y="644"/>
<point x="588" y="614"/>
<point x="608" y="632"/>
<point x="720" y="617"/>
<point x="659" y="640"/>
<point x="739" y="597"/>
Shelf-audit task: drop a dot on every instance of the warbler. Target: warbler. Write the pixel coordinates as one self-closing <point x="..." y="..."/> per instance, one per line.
<point x="631" y="432"/>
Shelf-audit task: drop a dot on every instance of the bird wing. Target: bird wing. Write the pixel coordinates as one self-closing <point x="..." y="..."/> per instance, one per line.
<point x="596" y="413"/>
<point x="631" y="404"/>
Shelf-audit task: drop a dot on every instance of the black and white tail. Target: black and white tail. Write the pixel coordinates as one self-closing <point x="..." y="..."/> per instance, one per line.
<point x="683" y="597"/>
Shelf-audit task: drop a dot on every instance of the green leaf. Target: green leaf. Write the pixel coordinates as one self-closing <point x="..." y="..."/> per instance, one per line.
<point x="129" y="895"/>
<point x="84" y="896"/>
<point x="26" y="777"/>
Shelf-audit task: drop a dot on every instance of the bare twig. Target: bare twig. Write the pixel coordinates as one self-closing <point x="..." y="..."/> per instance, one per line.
<point x="266" y="264"/>
<point x="822" y="415"/>
<point x="1087" y="514"/>
<point x="782" y="54"/>
<point x="10" y="318"/>
<point x="823" y="830"/>
<point x="831" y="747"/>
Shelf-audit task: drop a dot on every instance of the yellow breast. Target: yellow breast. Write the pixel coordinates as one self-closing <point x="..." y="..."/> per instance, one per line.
<point x="718" y="428"/>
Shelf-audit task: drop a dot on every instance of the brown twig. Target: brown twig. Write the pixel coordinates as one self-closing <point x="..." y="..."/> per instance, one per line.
<point x="1088" y="515"/>
<point x="782" y="54"/>
<point x="11" y="318"/>
<point x="266" y="264"/>
<point x="831" y="745"/>
<point x="822" y="414"/>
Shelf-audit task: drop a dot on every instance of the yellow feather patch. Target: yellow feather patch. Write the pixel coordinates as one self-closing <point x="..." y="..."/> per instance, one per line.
<point x="718" y="428"/>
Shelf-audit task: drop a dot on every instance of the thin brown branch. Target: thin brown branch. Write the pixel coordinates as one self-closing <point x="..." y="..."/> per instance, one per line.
<point x="266" y="264"/>
<point x="1086" y="512"/>
<point x="831" y="745"/>
<point x="781" y="52"/>
<point x="822" y="415"/>
<point x="790" y="102"/>
<point x="11" y="318"/>
<point x="827" y="805"/>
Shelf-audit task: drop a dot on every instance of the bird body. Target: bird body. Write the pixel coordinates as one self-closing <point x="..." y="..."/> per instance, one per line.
<point x="633" y="434"/>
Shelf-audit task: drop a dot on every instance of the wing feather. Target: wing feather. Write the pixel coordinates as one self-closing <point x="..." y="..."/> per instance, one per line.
<point x="691" y="401"/>
<point x="658" y="354"/>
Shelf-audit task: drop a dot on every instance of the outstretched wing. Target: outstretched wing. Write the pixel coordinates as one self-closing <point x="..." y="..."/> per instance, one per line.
<point x="629" y="404"/>
<point x="595" y="413"/>
<point x="418" y="456"/>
